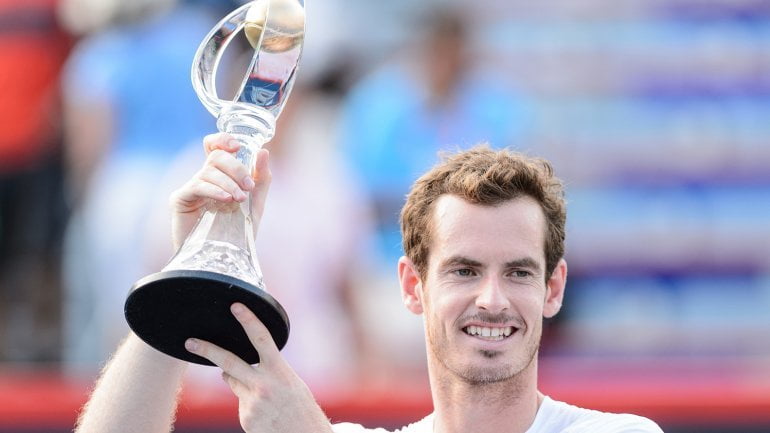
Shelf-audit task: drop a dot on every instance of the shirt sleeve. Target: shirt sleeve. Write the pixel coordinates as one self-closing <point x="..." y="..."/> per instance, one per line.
<point x="347" y="427"/>
<point x="638" y="424"/>
<point x="605" y="423"/>
<point x="622" y="423"/>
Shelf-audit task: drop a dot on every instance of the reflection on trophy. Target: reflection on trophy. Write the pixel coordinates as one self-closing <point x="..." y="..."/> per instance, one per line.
<point x="217" y="264"/>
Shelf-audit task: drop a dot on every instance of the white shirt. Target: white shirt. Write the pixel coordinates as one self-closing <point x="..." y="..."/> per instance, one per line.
<point x="552" y="417"/>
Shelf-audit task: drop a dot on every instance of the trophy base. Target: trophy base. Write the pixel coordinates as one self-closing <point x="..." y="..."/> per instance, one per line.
<point x="167" y="308"/>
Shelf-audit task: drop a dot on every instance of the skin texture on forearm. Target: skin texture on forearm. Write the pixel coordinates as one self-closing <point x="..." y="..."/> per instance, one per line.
<point x="137" y="392"/>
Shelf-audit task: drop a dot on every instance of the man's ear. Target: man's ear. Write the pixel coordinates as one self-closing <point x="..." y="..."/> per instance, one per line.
<point x="555" y="290"/>
<point x="411" y="285"/>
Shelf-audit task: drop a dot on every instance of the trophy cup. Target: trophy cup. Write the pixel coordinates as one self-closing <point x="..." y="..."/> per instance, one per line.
<point x="217" y="263"/>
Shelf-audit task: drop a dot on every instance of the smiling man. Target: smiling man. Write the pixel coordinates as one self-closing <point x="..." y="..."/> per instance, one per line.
<point x="484" y="241"/>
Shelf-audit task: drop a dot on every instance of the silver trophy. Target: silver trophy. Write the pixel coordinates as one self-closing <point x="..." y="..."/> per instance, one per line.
<point x="217" y="264"/>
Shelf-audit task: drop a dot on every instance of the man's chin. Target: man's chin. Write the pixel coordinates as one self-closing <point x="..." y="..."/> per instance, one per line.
<point x="489" y="366"/>
<point x="493" y="366"/>
<point x="486" y="375"/>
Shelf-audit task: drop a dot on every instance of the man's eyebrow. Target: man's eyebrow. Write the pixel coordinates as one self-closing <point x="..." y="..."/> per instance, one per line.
<point x="524" y="262"/>
<point x="460" y="261"/>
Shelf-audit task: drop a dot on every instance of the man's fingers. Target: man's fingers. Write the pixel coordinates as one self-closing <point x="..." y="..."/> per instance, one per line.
<point x="221" y="149"/>
<point x="258" y="334"/>
<point x="223" y="179"/>
<point x="262" y="172"/>
<point x="226" y="360"/>
<point x="191" y="196"/>
<point x="220" y="140"/>
<point x="238" y="387"/>
<point x="262" y="177"/>
<point x="232" y="167"/>
<point x="216" y="177"/>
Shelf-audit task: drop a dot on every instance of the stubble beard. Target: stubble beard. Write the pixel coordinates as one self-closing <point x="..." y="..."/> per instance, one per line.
<point x="479" y="376"/>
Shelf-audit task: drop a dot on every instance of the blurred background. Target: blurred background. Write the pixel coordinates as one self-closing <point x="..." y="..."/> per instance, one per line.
<point x="656" y="113"/>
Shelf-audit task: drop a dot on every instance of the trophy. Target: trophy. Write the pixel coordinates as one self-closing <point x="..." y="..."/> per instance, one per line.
<point x="217" y="263"/>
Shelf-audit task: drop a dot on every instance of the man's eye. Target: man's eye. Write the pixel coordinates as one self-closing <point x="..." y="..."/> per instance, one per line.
<point x="465" y="272"/>
<point x="521" y="274"/>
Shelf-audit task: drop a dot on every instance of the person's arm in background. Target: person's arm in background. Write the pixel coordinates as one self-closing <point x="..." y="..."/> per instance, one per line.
<point x="138" y="389"/>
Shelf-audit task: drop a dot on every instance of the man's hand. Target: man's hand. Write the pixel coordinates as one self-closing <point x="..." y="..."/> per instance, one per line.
<point x="271" y="397"/>
<point x="223" y="179"/>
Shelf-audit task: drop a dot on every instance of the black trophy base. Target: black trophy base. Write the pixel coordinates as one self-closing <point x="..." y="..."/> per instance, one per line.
<point x="167" y="308"/>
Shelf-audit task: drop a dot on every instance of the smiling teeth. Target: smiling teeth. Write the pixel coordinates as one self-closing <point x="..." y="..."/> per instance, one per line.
<point x="489" y="333"/>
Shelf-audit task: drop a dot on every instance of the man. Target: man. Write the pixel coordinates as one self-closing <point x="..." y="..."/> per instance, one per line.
<point x="484" y="238"/>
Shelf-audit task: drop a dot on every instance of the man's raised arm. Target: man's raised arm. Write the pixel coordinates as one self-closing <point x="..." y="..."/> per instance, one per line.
<point x="136" y="393"/>
<point x="138" y="389"/>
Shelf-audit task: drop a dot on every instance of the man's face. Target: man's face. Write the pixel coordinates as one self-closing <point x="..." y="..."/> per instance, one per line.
<point x="485" y="292"/>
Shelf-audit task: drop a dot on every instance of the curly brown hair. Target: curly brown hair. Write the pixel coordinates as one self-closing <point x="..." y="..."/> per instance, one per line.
<point x="487" y="177"/>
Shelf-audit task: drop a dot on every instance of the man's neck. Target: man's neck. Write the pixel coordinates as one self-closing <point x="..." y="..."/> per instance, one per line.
<point x="508" y="406"/>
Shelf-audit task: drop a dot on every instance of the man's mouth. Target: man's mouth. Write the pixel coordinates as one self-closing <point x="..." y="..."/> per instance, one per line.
<point x="490" y="333"/>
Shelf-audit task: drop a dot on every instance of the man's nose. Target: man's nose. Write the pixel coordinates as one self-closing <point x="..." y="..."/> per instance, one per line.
<point x="492" y="296"/>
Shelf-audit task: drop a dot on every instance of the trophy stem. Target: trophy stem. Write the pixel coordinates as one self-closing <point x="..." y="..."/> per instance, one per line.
<point x="253" y="126"/>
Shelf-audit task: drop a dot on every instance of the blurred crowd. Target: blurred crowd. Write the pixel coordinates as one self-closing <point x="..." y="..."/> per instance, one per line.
<point x="654" y="112"/>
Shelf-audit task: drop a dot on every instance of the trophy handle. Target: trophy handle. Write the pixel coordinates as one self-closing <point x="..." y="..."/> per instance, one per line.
<point x="209" y="54"/>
